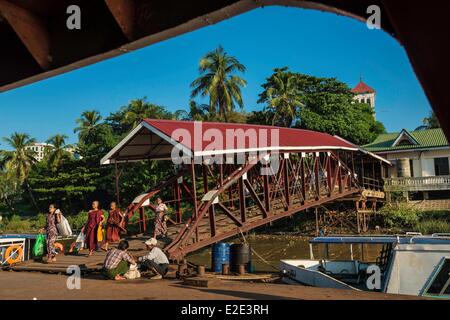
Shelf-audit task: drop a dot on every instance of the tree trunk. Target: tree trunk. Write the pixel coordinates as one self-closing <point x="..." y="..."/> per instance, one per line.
<point x="33" y="201"/>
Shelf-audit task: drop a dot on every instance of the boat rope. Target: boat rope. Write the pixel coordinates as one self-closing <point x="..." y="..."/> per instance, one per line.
<point x="254" y="251"/>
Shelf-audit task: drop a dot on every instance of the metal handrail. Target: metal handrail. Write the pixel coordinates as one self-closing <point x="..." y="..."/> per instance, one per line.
<point x="417" y="180"/>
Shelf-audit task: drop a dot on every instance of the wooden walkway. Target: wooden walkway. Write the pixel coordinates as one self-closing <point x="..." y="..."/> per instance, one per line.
<point x="82" y="260"/>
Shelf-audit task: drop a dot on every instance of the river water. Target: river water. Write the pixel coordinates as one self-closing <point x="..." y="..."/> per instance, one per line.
<point x="275" y="248"/>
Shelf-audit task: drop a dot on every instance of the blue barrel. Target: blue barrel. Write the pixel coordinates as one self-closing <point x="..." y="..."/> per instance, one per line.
<point x="220" y="255"/>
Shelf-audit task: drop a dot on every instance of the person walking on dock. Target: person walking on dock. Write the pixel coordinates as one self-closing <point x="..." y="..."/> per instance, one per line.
<point x="113" y="225"/>
<point x="53" y="218"/>
<point x="117" y="262"/>
<point x="155" y="260"/>
<point x="95" y="218"/>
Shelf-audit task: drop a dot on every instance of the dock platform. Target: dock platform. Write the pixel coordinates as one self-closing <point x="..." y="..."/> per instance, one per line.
<point x="83" y="260"/>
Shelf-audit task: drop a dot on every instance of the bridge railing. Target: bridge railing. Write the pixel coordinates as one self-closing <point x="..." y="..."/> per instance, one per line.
<point x="417" y="183"/>
<point x="372" y="184"/>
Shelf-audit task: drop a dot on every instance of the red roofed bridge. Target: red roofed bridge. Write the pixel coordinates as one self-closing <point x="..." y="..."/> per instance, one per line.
<point x="230" y="178"/>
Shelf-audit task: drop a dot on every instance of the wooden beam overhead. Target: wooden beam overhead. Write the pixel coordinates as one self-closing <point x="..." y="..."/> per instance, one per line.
<point x="30" y="29"/>
<point x="124" y="13"/>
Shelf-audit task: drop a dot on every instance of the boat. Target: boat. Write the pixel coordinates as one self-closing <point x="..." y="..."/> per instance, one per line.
<point x="410" y="264"/>
<point x="15" y="248"/>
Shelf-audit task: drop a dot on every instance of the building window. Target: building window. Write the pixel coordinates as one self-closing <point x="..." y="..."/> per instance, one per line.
<point x="441" y="167"/>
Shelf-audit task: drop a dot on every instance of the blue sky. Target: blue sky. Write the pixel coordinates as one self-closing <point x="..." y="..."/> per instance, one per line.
<point x="312" y="42"/>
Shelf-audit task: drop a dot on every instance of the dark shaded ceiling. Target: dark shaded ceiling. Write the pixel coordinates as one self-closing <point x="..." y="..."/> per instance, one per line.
<point x="36" y="44"/>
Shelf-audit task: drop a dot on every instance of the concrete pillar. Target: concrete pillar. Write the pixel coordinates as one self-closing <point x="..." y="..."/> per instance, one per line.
<point x="406" y="195"/>
<point x="403" y="168"/>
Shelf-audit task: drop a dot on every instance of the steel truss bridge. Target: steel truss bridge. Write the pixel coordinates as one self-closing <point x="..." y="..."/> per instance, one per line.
<point x="215" y="201"/>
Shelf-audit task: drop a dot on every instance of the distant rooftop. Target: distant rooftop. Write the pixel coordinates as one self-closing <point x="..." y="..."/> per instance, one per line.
<point x="406" y="140"/>
<point x="362" y="87"/>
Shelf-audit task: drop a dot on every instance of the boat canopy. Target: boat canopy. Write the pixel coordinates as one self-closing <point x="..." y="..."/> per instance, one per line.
<point x="433" y="239"/>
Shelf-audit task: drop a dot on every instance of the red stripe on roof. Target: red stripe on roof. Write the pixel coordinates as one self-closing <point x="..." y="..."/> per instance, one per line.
<point x="288" y="137"/>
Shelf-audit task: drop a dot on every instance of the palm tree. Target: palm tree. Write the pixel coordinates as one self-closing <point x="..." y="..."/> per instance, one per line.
<point x="282" y="97"/>
<point x="197" y="112"/>
<point x="8" y="186"/>
<point x="87" y="123"/>
<point x="21" y="159"/>
<point x="218" y="81"/>
<point x="57" y="152"/>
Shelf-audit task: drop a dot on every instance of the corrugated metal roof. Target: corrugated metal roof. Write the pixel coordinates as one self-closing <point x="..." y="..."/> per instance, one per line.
<point x="155" y="139"/>
<point x="288" y="137"/>
<point x="430" y="138"/>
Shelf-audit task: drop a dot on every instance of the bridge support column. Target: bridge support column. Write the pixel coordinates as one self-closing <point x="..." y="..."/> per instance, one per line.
<point x="266" y="193"/>
<point x="242" y="199"/>
<point x="177" y="198"/>
<point x="286" y="180"/>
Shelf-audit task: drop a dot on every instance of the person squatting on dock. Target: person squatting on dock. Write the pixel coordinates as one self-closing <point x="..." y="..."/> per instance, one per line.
<point x="155" y="260"/>
<point x="53" y="217"/>
<point x="117" y="262"/>
<point x="95" y="219"/>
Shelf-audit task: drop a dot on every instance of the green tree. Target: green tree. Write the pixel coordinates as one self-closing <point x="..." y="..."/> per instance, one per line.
<point x="57" y="151"/>
<point x="320" y="104"/>
<point x="21" y="159"/>
<point x="95" y="137"/>
<point x="431" y="122"/>
<point x="197" y="112"/>
<point x="330" y="107"/>
<point x="218" y="81"/>
<point x="282" y="97"/>
<point x="129" y="116"/>
<point x="87" y="124"/>
<point x="8" y="186"/>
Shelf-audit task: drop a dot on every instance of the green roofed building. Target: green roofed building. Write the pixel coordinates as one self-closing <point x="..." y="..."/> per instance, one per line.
<point x="420" y="161"/>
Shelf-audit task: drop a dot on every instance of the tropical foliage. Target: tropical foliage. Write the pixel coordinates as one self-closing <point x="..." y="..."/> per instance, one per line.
<point x="73" y="179"/>
<point x="219" y="82"/>
<point x="321" y="104"/>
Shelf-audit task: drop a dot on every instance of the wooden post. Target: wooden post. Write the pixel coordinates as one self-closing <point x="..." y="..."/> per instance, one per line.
<point x="117" y="184"/>
<point x="362" y="172"/>
<point x="351" y="251"/>
<point x="317" y="221"/>
<point x="142" y="222"/>
<point x="201" y="270"/>
<point x="177" y="193"/>
<point x="358" y="222"/>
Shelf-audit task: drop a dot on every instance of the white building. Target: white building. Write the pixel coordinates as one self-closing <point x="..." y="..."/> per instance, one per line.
<point x="40" y="149"/>
<point x="365" y="94"/>
<point x="421" y="161"/>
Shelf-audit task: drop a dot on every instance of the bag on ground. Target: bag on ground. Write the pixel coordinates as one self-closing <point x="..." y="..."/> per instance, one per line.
<point x="38" y="248"/>
<point x="80" y="241"/>
<point x="132" y="273"/>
